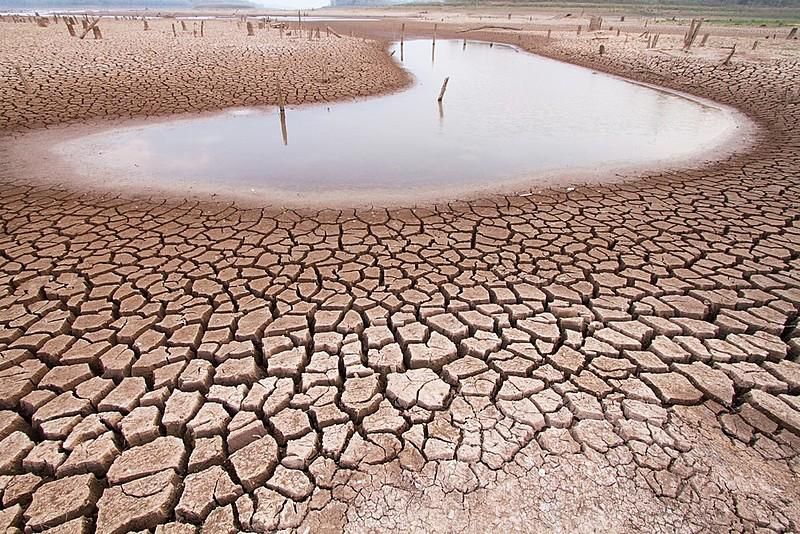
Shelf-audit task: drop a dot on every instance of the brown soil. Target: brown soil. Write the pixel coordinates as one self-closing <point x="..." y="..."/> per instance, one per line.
<point x="617" y="358"/>
<point x="132" y="72"/>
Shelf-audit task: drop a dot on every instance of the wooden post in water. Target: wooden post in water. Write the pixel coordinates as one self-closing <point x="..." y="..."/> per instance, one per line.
<point x="282" y="112"/>
<point x="284" y="133"/>
<point x="579" y="29"/>
<point x="434" y="34"/>
<point x="755" y="44"/>
<point x="444" y="88"/>
<point x="548" y="35"/>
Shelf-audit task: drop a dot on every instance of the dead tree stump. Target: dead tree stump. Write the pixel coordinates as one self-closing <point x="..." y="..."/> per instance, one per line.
<point x="728" y="59"/>
<point x="688" y="40"/>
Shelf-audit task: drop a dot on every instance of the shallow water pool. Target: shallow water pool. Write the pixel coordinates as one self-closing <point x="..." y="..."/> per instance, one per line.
<point x="507" y="117"/>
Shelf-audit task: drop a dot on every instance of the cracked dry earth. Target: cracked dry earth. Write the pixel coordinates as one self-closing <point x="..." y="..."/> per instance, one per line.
<point x="618" y="358"/>
<point x="133" y="73"/>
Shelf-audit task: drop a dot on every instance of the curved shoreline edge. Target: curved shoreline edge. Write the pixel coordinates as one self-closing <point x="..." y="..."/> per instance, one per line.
<point x="30" y="149"/>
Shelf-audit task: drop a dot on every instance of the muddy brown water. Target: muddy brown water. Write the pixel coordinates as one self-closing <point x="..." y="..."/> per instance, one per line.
<point x="508" y="119"/>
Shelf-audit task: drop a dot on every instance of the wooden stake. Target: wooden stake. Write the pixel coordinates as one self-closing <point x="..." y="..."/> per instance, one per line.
<point x="23" y="79"/>
<point x="97" y="33"/>
<point x="174" y="33"/>
<point x="692" y="34"/>
<point x="202" y="28"/>
<point x="434" y="34"/>
<point x="280" y="95"/>
<point x="146" y="26"/>
<point x="183" y="25"/>
<point x="728" y="59"/>
<point x="250" y="29"/>
<point x="70" y="29"/>
<point x="755" y="44"/>
<point x="402" y="33"/>
<point x="284" y="133"/>
<point x="444" y="88"/>
<point x="89" y="27"/>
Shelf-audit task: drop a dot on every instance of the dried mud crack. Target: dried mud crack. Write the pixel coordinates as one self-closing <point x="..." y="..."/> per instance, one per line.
<point x="616" y="358"/>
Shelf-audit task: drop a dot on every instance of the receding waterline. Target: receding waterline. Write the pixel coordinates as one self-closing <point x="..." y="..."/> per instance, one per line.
<point x="507" y="117"/>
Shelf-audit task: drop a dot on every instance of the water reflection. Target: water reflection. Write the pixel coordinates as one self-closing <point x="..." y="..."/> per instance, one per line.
<point x="284" y="134"/>
<point x="509" y="115"/>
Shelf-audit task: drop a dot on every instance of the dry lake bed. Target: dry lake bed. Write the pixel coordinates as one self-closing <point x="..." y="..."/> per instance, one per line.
<point x="265" y="282"/>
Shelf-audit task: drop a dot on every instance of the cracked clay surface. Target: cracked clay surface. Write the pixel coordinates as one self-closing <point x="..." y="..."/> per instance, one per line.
<point x="610" y="358"/>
